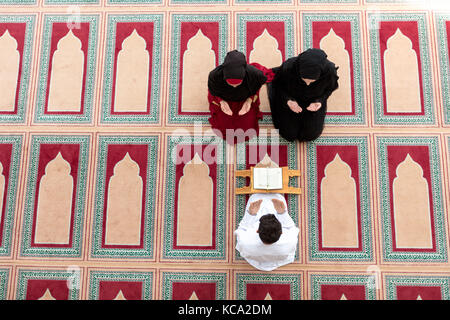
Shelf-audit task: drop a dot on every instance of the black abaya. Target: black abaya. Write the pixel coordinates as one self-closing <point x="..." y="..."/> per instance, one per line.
<point x="252" y="78"/>
<point x="288" y="85"/>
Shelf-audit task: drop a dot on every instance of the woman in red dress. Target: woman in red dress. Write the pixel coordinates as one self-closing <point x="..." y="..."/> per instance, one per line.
<point x="233" y="95"/>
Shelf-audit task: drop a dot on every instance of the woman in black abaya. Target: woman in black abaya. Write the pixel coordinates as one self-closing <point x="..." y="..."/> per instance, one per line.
<point x="298" y="95"/>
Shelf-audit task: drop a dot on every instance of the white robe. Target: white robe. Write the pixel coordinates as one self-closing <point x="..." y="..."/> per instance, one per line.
<point x="266" y="257"/>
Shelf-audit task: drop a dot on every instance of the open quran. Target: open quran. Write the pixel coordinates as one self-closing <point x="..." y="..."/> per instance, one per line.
<point x="267" y="178"/>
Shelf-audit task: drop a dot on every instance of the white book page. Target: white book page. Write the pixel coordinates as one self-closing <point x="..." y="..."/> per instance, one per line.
<point x="260" y="178"/>
<point x="274" y="178"/>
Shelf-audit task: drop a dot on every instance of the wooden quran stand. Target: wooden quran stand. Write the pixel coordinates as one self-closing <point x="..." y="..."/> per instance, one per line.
<point x="287" y="173"/>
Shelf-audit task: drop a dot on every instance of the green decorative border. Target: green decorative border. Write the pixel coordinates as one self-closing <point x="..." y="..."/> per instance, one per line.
<point x="221" y="199"/>
<point x="287" y="18"/>
<point x="78" y="218"/>
<point x="18" y="2"/>
<point x="444" y="62"/>
<point x="393" y="281"/>
<point x="168" y="278"/>
<point x="365" y="199"/>
<point x="263" y="1"/>
<point x="266" y="141"/>
<point x="293" y="279"/>
<point x="4" y="276"/>
<point x="106" y="116"/>
<point x="11" y="198"/>
<point x="96" y="276"/>
<point x="188" y="2"/>
<point x="393" y="1"/>
<point x="317" y="280"/>
<point x="150" y="206"/>
<point x="427" y="82"/>
<point x="86" y="117"/>
<point x="174" y="117"/>
<point x="329" y="1"/>
<point x="71" y="2"/>
<point x="118" y="2"/>
<point x="358" y="77"/>
<point x="25" y="275"/>
<point x="439" y="221"/>
<point x="20" y="117"/>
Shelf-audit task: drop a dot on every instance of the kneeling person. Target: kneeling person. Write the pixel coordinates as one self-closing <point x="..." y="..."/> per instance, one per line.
<point x="267" y="236"/>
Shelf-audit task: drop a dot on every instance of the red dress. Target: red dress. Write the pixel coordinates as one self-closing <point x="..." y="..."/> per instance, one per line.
<point x="237" y="128"/>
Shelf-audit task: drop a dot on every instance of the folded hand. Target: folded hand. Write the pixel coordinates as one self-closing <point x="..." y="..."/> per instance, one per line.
<point x="314" y="106"/>
<point x="254" y="207"/>
<point x="246" y="107"/>
<point x="293" y="105"/>
<point x="279" y="206"/>
<point x="225" y="108"/>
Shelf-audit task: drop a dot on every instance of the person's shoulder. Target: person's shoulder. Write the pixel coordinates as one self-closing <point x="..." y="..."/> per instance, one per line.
<point x="289" y="234"/>
<point x="250" y="240"/>
<point x="329" y="71"/>
<point x="291" y="59"/>
<point x="215" y="72"/>
<point x="255" y="72"/>
<point x="288" y="65"/>
<point x="251" y="68"/>
<point x="330" y="66"/>
<point x="289" y="62"/>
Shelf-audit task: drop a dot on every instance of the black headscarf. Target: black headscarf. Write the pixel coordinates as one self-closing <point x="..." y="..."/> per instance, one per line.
<point x="310" y="64"/>
<point x="235" y="66"/>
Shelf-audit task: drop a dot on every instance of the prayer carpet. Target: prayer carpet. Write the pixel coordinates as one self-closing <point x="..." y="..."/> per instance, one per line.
<point x="113" y="186"/>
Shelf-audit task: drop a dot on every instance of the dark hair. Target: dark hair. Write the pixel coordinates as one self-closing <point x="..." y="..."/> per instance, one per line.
<point x="269" y="229"/>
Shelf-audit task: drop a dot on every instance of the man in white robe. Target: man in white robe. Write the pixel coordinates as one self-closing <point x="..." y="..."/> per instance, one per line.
<point x="279" y="232"/>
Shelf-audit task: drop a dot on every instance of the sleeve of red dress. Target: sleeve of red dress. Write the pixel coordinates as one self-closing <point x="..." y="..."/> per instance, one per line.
<point x="213" y="99"/>
<point x="267" y="72"/>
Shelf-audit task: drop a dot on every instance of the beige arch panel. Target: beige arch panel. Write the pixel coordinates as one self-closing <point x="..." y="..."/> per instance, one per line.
<point x="198" y="60"/>
<point x="54" y="207"/>
<point x="401" y="68"/>
<point x="195" y="205"/>
<point x="266" y="162"/>
<point x="334" y="46"/>
<point x="66" y="80"/>
<point x="265" y="52"/>
<point x="124" y="208"/>
<point x="133" y="68"/>
<point x="193" y="296"/>
<point x="411" y="206"/>
<point x="9" y="71"/>
<point x="47" y="295"/>
<point x="339" y="206"/>
<point x="120" y="296"/>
